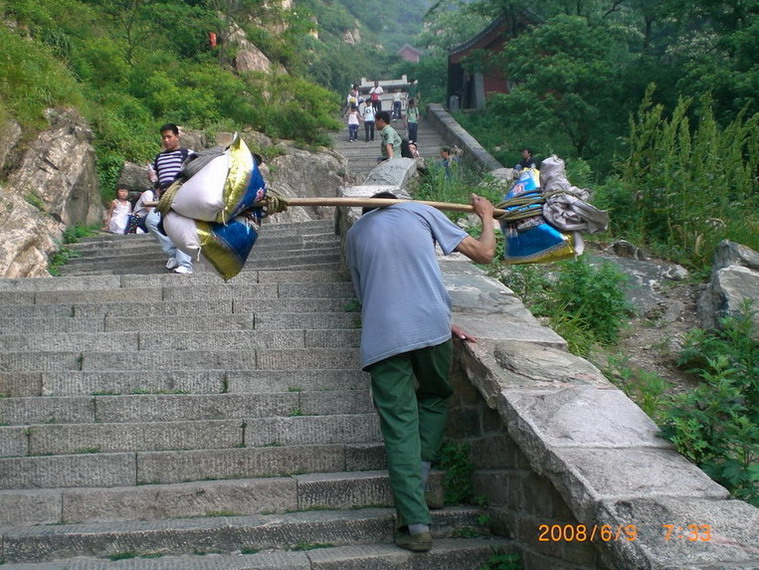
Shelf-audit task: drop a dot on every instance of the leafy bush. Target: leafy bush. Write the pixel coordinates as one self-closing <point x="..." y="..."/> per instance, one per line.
<point x="584" y="303"/>
<point x="717" y="425"/>
<point x="594" y="294"/>
<point x="457" y="483"/>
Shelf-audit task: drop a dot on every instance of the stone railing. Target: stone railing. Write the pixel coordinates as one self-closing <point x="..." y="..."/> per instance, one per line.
<point x="454" y="134"/>
<point x="568" y="465"/>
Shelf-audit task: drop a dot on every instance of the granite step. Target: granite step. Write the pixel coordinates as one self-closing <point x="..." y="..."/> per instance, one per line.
<point x="106" y="282"/>
<point x="221" y="339"/>
<point x="269" y="226"/>
<point x="121" y="469"/>
<point x="177" y="381"/>
<point x="198" y="499"/>
<point x="157" y="267"/>
<point x="128" y="263"/>
<point x="254" y="359"/>
<point x="296" y="429"/>
<point x="447" y="554"/>
<point x="209" y="322"/>
<point x="177" y="292"/>
<point x="24" y="411"/>
<point x="178" y="308"/>
<point x="275" y="240"/>
<point x="222" y="534"/>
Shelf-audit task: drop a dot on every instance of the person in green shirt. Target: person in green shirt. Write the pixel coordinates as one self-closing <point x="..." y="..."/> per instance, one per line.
<point x="391" y="140"/>
<point x="412" y="120"/>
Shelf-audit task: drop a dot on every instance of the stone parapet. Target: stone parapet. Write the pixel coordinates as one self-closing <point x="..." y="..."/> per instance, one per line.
<point x="453" y="133"/>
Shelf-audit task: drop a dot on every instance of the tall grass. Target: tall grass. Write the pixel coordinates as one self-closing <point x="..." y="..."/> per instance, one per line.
<point x="686" y="183"/>
<point x="31" y="79"/>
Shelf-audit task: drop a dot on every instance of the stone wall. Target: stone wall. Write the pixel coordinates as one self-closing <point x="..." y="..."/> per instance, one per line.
<point x="555" y="443"/>
<point x="519" y="500"/>
<point x="455" y="134"/>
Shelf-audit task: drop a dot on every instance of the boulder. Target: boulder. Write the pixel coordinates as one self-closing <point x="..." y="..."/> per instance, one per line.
<point x="248" y="57"/>
<point x="645" y="278"/>
<point x="306" y="174"/>
<point x="53" y="184"/>
<point x="734" y="281"/>
<point x="134" y="177"/>
<point x="401" y="172"/>
<point x="27" y="236"/>
<point x="58" y="171"/>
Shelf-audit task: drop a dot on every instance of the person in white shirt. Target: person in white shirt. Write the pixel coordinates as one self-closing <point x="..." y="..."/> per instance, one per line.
<point x="367" y="116"/>
<point x="375" y="94"/>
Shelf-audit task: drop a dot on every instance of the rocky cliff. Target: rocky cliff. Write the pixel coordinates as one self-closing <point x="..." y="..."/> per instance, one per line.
<point x="51" y="183"/>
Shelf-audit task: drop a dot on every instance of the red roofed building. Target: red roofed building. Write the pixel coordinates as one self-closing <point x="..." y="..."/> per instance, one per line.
<point x="409" y="53"/>
<point x="469" y="90"/>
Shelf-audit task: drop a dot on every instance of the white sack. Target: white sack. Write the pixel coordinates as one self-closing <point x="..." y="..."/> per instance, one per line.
<point x="202" y="196"/>
<point x="183" y="233"/>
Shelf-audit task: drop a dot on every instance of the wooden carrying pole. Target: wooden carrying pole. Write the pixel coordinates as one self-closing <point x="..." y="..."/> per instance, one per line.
<point x="370" y="202"/>
<point x="380" y="202"/>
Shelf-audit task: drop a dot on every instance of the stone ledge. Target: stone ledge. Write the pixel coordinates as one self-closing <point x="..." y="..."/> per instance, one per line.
<point x="732" y="533"/>
<point x="453" y="133"/>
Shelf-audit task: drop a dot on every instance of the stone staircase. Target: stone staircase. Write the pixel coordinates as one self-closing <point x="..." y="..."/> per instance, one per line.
<point x="155" y="421"/>
<point x="362" y="156"/>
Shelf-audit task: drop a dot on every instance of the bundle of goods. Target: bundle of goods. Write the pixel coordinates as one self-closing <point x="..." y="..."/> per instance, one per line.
<point x="211" y="208"/>
<point x="546" y="216"/>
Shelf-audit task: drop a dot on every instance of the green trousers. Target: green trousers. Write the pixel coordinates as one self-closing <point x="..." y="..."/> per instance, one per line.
<point x="410" y="392"/>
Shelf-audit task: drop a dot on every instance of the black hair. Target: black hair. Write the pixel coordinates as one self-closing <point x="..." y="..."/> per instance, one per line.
<point x="384" y="194"/>
<point x="169" y="127"/>
<point x="384" y="116"/>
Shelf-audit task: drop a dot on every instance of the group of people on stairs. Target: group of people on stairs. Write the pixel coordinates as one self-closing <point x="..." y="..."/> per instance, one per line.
<point x="122" y="217"/>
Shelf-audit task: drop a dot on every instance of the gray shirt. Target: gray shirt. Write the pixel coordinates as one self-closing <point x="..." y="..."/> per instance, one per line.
<point x="393" y="263"/>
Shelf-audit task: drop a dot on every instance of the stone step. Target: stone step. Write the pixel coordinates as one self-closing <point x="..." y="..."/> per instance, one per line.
<point x="178" y="308"/>
<point x="121" y="469"/>
<point x="221" y="339"/>
<point x="258" y="290"/>
<point x="236" y="497"/>
<point x="264" y="248"/>
<point x="270" y="225"/>
<point x="271" y="238"/>
<point x="222" y="534"/>
<point x="177" y="381"/>
<point x="130" y="262"/>
<point x="157" y="267"/>
<point x="447" y="554"/>
<point x="254" y="359"/>
<point x="108" y="282"/>
<point x="179" y="407"/>
<point x="209" y="322"/>
<point x="297" y="429"/>
<point x="182" y="340"/>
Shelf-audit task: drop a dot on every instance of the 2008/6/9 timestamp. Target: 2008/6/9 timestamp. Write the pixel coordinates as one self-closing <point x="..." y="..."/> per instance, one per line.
<point x="690" y="532"/>
<point x="586" y="533"/>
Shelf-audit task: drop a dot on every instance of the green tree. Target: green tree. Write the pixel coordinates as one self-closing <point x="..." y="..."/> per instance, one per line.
<point x="716" y="44"/>
<point x="567" y="74"/>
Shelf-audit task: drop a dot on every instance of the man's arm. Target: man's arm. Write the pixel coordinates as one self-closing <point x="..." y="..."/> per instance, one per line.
<point x="480" y="250"/>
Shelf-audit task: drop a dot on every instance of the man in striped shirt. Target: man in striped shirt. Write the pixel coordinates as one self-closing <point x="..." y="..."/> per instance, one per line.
<point x="166" y="166"/>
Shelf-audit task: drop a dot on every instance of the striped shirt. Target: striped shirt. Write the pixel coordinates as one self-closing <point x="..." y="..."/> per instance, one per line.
<point x="168" y="163"/>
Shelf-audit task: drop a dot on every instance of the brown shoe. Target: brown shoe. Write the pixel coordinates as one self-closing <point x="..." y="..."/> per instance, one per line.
<point x="421" y="542"/>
